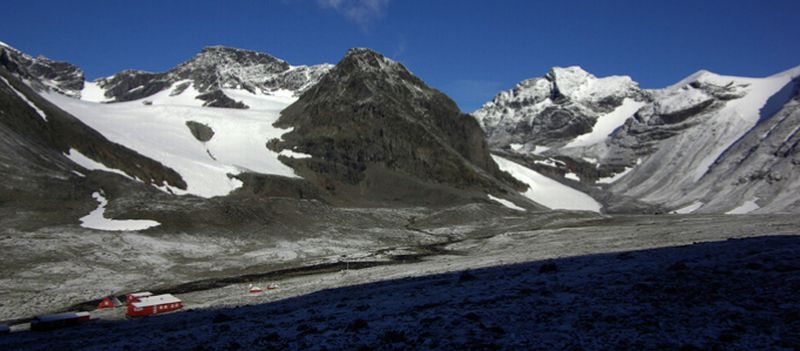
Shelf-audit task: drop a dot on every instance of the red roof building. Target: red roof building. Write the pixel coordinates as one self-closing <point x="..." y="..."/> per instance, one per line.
<point x="130" y="298"/>
<point x="154" y="305"/>
<point x="109" y="302"/>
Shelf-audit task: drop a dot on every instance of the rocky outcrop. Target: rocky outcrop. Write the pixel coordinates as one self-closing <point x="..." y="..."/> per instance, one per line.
<point x="200" y="131"/>
<point x="377" y="132"/>
<point x="63" y="77"/>
<point x="217" y="98"/>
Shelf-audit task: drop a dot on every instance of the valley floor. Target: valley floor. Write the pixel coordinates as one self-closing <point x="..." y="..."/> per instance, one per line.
<point x="610" y="282"/>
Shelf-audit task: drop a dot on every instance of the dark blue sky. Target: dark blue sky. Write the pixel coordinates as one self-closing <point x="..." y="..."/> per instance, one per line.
<point x="469" y="49"/>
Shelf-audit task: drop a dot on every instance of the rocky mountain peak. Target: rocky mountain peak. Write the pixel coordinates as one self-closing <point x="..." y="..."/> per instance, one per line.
<point x="376" y="131"/>
<point x="224" y="67"/>
<point x="222" y="58"/>
<point x="367" y="59"/>
<point x="60" y="76"/>
<point x="369" y="75"/>
<point x="554" y="109"/>
<point x="577" y="84"/>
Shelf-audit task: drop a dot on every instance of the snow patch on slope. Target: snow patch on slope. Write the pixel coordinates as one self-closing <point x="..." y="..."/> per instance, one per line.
<point x="618" y="176"/>
<point x="746" y="207"/>
<point x="606" y="124"/>
<point x="293" y="154"/>
<point x="90" y="164"/>
<point x="506" y="203"/>
<point x="546" y="191"/>
<point x="690" y="208"/>
<point x="97" y="220"/>
<point x="572" y="176"/>
<point x="93" y="92"/>
<point x="25" y="98"/>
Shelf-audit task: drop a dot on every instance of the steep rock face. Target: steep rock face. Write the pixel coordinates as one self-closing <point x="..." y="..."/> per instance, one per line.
<point x="554" y="109"/>
<point x="377" y="132"/>
<point x="211" y="70"/>
<point x="63" y="77"/>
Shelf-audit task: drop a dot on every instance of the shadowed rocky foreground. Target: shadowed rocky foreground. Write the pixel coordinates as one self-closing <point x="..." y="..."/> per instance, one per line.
<point x="733" y="294"/>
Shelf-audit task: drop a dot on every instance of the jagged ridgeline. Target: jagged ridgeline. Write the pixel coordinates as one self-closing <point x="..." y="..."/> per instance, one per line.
<point x="211" y="70"/>
<point x="709" y="143"/>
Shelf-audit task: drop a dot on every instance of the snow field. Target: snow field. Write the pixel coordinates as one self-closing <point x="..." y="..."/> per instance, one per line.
<point x="546" y="191"/>
<point x="159" y="132"/>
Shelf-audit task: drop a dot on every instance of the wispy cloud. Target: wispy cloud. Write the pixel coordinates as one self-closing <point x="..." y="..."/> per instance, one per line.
<point x="361" y="12"/>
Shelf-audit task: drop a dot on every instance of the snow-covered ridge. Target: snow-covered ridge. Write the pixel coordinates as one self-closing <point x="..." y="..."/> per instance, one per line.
<point x="212" y="69"/>
<point x="577" y="84"/>
<point x="740" y="115"/>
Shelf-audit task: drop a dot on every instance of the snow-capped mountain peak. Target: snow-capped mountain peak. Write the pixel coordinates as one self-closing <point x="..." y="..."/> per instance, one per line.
<point x="577" y="84"/>
<point x="554" y="109"/>
<point x="223" y="67"/>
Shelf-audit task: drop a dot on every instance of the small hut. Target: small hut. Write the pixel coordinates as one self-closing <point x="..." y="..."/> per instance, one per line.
<point x="255" y="289"/>
<point x="109" y="302"/>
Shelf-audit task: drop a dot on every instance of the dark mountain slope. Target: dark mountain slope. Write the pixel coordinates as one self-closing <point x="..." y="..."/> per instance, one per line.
<point x="378" y="133"/>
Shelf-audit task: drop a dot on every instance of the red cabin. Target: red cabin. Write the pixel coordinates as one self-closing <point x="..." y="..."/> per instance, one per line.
<point x="153" y="305"/>
<point x="61" y="320"/>
<point x="131" y="298"/>
<point x="109" y="302"/>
